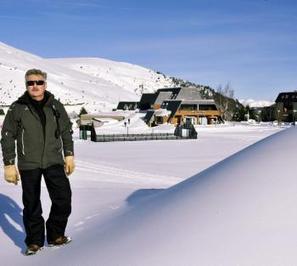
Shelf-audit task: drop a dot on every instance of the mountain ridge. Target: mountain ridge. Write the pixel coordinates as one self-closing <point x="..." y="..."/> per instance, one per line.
<point x="73" y="80"/>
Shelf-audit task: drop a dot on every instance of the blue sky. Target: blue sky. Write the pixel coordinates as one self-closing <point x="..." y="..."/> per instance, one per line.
<point x="252" y="44"/>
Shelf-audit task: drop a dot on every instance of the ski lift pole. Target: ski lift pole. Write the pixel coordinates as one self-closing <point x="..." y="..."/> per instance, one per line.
<point x="127" y="128"/>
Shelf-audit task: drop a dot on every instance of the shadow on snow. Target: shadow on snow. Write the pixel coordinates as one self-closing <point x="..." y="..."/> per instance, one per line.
<point x="142" y="195"/>
<point x="10" y="212"/>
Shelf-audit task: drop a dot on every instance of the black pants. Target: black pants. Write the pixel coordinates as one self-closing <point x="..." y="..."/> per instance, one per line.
<point x="58" y="187"/>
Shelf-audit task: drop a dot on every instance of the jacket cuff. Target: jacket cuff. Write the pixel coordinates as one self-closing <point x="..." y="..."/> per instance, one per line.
<point x="9" y="162"/>
<point x="68" y="153"/>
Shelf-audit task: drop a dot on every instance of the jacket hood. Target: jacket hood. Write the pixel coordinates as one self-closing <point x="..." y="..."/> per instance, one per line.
<point x="25" y="98"/>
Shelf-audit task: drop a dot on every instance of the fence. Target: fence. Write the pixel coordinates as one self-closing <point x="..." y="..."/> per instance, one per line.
<point x="135" y="137"/>
<point x="178" y="134"/>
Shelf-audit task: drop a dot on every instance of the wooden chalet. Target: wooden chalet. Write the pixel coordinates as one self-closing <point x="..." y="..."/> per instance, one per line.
<point x="286" y="106"/>
<point x="179" y="105"/>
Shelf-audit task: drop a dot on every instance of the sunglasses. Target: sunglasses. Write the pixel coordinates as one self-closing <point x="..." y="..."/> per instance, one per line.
<point x="37" y="82"/>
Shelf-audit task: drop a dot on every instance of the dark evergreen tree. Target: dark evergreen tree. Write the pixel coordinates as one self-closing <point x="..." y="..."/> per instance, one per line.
<point x="83" y="111"/>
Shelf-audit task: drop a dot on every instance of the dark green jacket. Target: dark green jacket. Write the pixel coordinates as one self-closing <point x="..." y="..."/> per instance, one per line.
<point x="36" y="148"/>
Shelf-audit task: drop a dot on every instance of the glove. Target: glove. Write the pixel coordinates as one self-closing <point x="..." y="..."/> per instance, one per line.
<point x="69" y="164"/>
<point x="11" y="174"/>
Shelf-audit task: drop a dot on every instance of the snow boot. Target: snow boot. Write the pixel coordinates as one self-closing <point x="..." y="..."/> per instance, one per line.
<point x="32" y="249"/>
<point x="60" y="241"/>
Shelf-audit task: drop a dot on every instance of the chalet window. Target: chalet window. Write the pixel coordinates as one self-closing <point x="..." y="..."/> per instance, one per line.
<point x="164" y="105"/>
<point x="206" y="107"/>
<point x="173" y="96"/>
<point x="288" y="106"/>
<point x="159" y="120"/>
<point x="190" y="107"/>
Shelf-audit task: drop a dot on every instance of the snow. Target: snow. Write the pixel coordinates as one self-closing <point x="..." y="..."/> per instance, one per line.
<point x="132" y="78"/>
<point x="223" y="199"/>
<point x="97" y="84"/>
<point x="132" y="124"/>
<point x="227" y="198"/>
<point x="162" y="112"/>
<point x="256" y="103"/>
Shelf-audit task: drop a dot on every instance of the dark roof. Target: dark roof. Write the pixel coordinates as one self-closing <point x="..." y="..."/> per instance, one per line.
<point x="189" y="93"/>
<point x="148" y="116"/>
<point x="173" y="92"/>
<point x="175" y="89"/>
<point x="199" y="101"/>
<point x="182" y="93"/>
<point x="147" y="99"/>
<point x="287" y="97"/>
<point x="162" y="96"/>
<point x="127" y="105"/>
<point x="171" y="106"/>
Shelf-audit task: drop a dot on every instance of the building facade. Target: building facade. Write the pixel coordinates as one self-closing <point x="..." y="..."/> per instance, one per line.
<point x="286" y="107"/>
<point x="179" y="105"/>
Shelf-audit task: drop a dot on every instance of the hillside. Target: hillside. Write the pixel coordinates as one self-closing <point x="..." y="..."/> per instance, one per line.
<point x="96" y="83"/>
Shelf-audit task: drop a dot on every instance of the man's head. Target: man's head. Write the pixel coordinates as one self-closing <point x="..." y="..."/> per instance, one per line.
<point x="36" y="83"/>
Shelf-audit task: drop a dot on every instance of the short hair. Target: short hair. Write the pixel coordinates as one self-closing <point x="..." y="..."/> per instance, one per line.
<point x="35" y="71"/>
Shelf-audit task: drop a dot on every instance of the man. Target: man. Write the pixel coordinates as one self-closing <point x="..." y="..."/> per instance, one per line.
<point x="42" y="130"/>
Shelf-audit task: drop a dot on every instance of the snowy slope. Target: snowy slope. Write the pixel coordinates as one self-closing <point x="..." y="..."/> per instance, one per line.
<point x="237" y="212"/>
<point x="99" y="85"/>
<point x="241" y="211"/>
<point x="135" y="79"/>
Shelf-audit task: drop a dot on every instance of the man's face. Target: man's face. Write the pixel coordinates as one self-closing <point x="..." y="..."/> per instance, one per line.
<point x="36" y="86"/>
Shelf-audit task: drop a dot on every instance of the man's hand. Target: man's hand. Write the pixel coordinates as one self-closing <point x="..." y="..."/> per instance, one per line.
<point x="69" y="164"/>
<point x="11" y="174"/>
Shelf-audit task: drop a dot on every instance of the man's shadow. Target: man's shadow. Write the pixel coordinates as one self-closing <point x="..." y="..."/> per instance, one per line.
<point x="11" y="212"/>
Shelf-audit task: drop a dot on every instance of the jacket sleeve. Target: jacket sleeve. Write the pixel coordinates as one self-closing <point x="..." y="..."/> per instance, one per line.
<point x="66" y="131"/>
<point x="8" y="136"/>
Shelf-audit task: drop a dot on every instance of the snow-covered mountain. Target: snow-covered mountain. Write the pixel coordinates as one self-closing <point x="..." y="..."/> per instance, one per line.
<point x="96" y="83"/>
<point x="135" y="79"/>
<point x="254" y="103"/>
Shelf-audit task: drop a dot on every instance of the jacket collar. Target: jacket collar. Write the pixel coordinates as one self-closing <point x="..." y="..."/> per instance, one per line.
<point x="25" y="98"/>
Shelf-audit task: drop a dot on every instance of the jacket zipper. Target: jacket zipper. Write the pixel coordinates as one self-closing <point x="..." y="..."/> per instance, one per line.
<point x="61" y="144"/>
<point x="33" y="111"/>
<point x="23" y="144"/>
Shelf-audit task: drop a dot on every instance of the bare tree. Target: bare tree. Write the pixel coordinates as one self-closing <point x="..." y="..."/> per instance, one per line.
<point x="228" y="91"/>
<point x="223" y="101"/>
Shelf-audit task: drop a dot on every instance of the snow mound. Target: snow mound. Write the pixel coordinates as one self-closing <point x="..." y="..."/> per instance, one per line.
<point x="233" y="213"/>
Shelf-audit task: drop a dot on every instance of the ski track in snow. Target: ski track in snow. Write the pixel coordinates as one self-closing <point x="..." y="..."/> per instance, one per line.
<point x="121" y="175"/>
